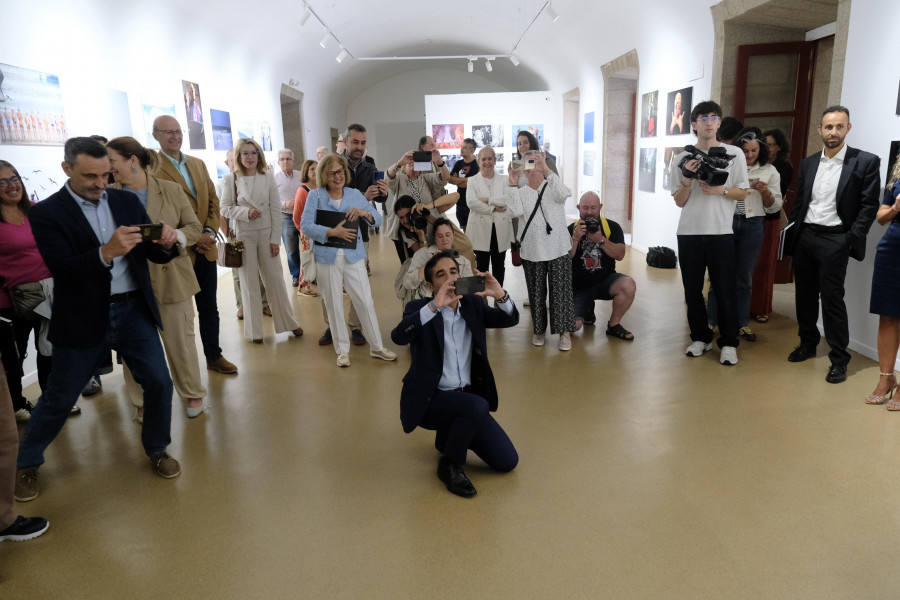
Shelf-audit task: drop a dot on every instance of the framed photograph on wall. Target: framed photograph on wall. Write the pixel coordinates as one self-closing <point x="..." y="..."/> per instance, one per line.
<point x="589" y="127"/>
<point x="152" y="110"/>
<point x="678" y="112"/>
<point x="194" y="112"/>
<point x="590" y="157"/>
<point x="647" y="170"/>
<point x="649" y="103"/>
<point x="31" y="107"/>
<point x="448" y="136"/>
<point x="536" y="130"/>
<point x="221" y="129"/>
<point x="669" y="154"/>
<point x="488" y="135"/>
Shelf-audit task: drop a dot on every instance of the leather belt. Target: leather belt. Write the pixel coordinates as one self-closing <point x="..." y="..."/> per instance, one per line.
<point x="825" y="228"/>
<point x="116" y="298"/>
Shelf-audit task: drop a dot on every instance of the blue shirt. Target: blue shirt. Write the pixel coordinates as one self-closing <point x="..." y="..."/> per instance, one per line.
<point x="100" y="218"/>
<point x="182" y="168"/>
<point x="457" y="369"/>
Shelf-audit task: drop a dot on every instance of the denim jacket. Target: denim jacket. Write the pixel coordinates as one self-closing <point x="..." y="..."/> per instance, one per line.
<point x="319" y="199"/>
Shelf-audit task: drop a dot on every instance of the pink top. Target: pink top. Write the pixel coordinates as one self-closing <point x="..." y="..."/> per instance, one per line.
<point x="20" y="261"/>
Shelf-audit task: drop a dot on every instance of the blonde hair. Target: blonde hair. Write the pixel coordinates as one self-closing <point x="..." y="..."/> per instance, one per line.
<point x="486" y="149"/>
<point x="325" y="166"/>
<point x="261" y="166"/>
<point x="894" y="175"/>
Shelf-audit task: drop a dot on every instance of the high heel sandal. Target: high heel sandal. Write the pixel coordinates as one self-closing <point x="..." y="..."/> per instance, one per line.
<point x="876" y="399"/>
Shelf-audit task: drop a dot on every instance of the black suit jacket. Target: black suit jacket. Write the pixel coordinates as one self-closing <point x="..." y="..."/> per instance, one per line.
<point x="857" y="197"/>
<point x="427" y="347"/>
<point x="81" y="282"/>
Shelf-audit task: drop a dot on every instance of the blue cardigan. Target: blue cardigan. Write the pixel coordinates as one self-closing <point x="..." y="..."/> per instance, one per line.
<point x="319" y="199"/>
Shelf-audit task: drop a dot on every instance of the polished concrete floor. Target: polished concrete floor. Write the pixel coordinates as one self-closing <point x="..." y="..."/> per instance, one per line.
<point x="643" y="474"/>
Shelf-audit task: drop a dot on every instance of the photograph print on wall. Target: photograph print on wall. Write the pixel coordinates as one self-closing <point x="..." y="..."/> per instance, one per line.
<point x="678" y="112"/>
<point x="647" y="170"/>
<point x="487" y="135"/>
<point x="649" y="103"/>
<point x="448" y="136"/>
<point x="194" y="112"/>
<point x="31" y="107"/>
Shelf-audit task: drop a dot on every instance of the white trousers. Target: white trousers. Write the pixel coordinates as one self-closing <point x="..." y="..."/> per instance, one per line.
<point x="180" y="344"/>
<point x="352" y="277"/>
<point x="257" y="258"/>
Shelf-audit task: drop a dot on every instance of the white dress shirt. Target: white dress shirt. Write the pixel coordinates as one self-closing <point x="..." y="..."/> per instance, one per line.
<point x="823" y="206"/>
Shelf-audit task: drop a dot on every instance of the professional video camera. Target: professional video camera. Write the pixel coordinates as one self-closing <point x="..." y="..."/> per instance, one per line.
<point x="712" y="165"/>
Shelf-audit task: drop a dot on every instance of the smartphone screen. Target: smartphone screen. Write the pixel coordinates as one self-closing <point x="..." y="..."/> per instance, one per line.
<point x="469" y="285"/>
<point x="150" y="231"/>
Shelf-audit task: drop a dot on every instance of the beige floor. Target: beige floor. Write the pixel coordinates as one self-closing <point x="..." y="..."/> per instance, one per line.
<point x="643" y="474"/>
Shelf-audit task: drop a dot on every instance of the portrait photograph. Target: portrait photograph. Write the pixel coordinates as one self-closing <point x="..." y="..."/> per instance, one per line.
<point x="32" y="108"/>
<point x="536" y="130"/>
<point x="221" y="129"/>
<point x="488" y="135"/>
<point x="647" y="170"/>
<point x="153" y="109"/>
<point x="649" y="103"/>
<point x="669" y="154"/>
<point x="194" y="112"/>
<point x="678" y="112"/>
<point x="448" y="136"/>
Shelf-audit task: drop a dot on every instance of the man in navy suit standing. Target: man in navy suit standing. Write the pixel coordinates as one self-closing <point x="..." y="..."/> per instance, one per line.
<point x="102" y="300"/>
<point x="837" y="198"/>
<point x="450" y="387"/>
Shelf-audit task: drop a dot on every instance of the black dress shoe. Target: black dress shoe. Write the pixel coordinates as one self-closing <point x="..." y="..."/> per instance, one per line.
<point x="836" y="374"/>
<point x="454" y="478"/>
<point x="801" y="353"/>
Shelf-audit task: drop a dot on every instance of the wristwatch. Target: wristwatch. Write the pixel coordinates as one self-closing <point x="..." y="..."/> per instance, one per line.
<point x="505" y="298"/>
<point x="725" y="192"/>
<point x="602" y="241"/>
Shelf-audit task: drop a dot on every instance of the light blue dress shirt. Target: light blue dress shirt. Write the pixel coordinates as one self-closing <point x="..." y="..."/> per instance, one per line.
<point x="182" y="168"/>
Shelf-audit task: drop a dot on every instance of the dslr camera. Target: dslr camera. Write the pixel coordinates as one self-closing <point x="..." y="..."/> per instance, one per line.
<point x="712" y="165"/>
<point x="418" y="221"/>
<point x="592" y="225"/>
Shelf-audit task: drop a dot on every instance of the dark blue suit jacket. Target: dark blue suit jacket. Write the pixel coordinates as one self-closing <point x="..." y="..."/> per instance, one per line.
<point x="858" y="197"/>
<point x="81" y="282"/>
<point x="427" y="347"/>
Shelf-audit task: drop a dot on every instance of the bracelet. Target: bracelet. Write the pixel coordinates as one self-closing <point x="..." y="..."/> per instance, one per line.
<point x="441" y="166"/>
<point x="433" y="307"/>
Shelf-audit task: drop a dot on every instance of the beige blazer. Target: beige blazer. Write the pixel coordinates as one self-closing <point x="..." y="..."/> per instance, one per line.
<point x="263" y="196"/>
<point x="483" y="217"/>
<point x="166" y="202"/>
<point x="205" y="203"/>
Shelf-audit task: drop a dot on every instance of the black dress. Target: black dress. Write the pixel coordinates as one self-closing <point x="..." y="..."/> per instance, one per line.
<point x="885" y="298"/>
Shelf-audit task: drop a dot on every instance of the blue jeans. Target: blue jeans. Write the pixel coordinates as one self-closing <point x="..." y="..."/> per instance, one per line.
<point x="133" y="333"/>
<point x="207" y="308"/>
<point x="748" y="239"/>
<point x="291" y="238"/>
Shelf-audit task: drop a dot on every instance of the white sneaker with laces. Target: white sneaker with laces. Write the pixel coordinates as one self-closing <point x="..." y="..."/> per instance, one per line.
<point x="728" y="355"/>
<point x="537" y="339"/>
<point x="383" y="354"/>
<point x="698" y="348"/>
<point x="565" y="341"/>
<point x="343" y="360"/>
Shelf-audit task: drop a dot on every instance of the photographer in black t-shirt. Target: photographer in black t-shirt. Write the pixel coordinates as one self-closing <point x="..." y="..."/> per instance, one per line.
<point x="596" y="246"/>
<point x="467" y="167"/>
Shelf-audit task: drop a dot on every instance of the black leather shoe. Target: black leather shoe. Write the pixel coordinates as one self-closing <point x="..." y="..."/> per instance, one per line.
<point x="454" y="478"/>
<point x="801" y="353"/>
<point x="836" y="374"/>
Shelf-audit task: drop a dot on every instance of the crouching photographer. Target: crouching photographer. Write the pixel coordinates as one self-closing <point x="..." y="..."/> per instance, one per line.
<point x="707" y="193"/>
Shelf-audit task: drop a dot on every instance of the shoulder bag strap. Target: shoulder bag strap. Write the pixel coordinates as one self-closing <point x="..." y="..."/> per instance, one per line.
<point x="533" y="212"/>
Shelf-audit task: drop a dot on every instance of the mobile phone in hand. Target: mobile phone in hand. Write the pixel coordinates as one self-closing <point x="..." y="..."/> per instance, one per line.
<point x="469" y="285"/>
<point x="150" y="231"/>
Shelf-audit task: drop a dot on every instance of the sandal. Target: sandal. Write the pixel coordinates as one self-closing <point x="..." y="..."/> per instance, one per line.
<point x="876" y="399"/>
<point x="892" y="405"/>
<point x="621" y="333"/>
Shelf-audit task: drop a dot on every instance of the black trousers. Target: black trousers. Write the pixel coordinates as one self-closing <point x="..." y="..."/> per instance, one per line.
<point x="820" y="267"/>
<point x="715" y="253"/>
<point x="493" y="258"/>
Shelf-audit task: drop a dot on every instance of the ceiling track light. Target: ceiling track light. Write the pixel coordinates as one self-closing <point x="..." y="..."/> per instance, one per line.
<point x="471" y="66"/>
<point x="551" y="14"/>
<point x="513" y="59"/>
<point x="325" y="39"/>
<point x="487" y="65"/>
<point x="344" y="54"/>
<point x="305" y="16"/>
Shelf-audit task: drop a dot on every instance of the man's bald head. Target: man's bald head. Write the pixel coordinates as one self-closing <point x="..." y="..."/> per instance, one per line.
<point x="167" y="132"/>
<point x="589" y="205"/>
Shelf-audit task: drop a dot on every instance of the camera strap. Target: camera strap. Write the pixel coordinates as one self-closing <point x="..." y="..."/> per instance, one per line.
<point x="534" y="212"/>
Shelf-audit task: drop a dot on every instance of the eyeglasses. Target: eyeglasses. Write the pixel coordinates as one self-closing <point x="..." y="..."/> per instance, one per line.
<point x="708" y="118"/>
<point x="169" y="131"/>
<point x="336" y="173"/>
<point x="249" y="153"/>
<point x="14" y="180"/>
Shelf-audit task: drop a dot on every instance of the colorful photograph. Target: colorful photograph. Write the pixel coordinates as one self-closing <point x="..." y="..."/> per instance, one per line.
<point x="151" y="111"/>
<point x="488" y="135"/>
<point x="678" y="113"/>
<point x="669" y="154"/>
<point x="221" y="129"/>
<point x="647" y="170"/>
<point x="32" y="108"/>
<point x="194" y="112"/>
<point x="649" y="102"/>
<point x="589" y="128"/>
<point x="448" y="137"/>
<point x="535" y="130"/>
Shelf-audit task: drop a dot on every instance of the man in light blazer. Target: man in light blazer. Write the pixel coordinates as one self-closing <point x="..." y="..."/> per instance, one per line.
<point x="191" y="174"/>
<point x="450" y="387"/>
<point x="837" y="198"/>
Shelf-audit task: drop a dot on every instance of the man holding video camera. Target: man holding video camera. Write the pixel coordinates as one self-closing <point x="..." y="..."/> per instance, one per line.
<point x="712" y="177"/>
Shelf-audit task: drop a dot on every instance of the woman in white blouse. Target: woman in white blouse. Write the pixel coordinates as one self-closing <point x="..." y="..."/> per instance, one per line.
<point x="250" y="199"/>
<point x="489" y="227"/>
<point x="545" y="247"/>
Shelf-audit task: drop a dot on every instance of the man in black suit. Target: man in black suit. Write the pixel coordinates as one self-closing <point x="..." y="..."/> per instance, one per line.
<point x="837" y="198"/>
<point x="450" y="387"/>
<point x="102" y="300"/>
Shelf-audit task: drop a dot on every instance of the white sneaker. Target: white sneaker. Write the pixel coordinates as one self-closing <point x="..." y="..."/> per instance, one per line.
<point x="698" y="348"/>
<point x="383" y="354"/>
<point x="343" y="360"/>
<point x="22" y="415"/>
<point x="565" y="341"/>
<point x="537" y="339"/>
<point x="728" y="356"/>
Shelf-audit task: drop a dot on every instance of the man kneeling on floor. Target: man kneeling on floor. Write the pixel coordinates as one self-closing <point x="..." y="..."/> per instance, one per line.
<point x="597" y="244"/>
<point x="450" y="387"/>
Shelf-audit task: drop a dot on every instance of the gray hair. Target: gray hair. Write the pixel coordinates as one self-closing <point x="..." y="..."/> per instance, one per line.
<point x="286" y="151"/>
<point x="83" y="145"/>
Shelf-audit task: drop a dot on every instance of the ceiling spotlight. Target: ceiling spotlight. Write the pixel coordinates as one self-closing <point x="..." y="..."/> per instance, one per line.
<point x="551" y="14"/>
<point x="325" y="39"/>
<point x="513" y="59"/>
<point x="487" y="65"/>
<point x="305" y="16"/>
<point x="293" y="82"/>
<point x="471" y="67"/>
<point x="344" y="54"/>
